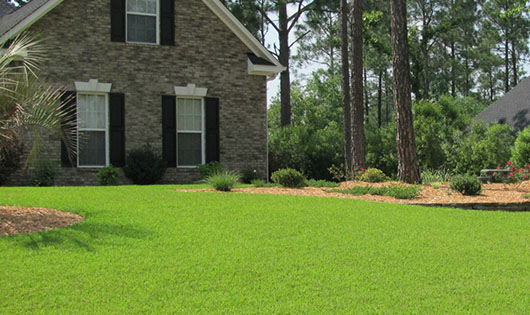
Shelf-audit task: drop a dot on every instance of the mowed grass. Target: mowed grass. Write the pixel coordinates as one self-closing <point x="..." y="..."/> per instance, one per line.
<point x="151" y="250"/>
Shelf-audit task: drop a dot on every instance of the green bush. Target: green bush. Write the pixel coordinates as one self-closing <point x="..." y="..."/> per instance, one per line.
<point x="209" y="169"/>
<point x="258" y="183"/>
<point x="248" y="175"/>
<point x="223" y="181"/>
<point x="521" y="150"/>
<point x="289" y="178"/>
<point x="467" y="185"/>
<point x="44" y="173"/>
<point x="144" y="167"/>
<point x="321" y="183"/>
<point x="108" y="176"/>
<point x="373" y="175"/>
<point x="10" y="158"/>
<point x="396" y="191"/>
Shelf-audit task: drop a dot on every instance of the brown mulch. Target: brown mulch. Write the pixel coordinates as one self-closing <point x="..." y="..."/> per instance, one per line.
<point x="20" y="220"/>
<point x="491" y="193"/>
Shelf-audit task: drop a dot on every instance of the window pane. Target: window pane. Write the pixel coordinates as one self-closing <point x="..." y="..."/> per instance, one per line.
<point x="91" y="111"/>
<point x="141" y="28"/>
<point x="189" y="149"/>
<point x="92" y="148"/>
<point x="189" y="114"/>
<point x="142" y="6"/>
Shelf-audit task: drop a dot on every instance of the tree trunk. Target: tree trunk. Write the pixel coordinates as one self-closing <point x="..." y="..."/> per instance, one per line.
<point x="506" y="66"/>
<point x="453" y="70"/>
<point x="514" y="64"/>
<point x="284" y="56"/>
<point x="387" y="103"/>
<point x="408" y="166"/>
<point x="426" y="81"/>
<point x="492" y="91"/>
<point x="359" y="154"/>
<point x="346" y="99"/>
<point x="379" y="97"/>
<point x="365" y="90"/>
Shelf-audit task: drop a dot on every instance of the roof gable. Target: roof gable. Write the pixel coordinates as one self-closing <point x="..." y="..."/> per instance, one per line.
<point x="14" y="21"/>
<point x="513" y="108"/>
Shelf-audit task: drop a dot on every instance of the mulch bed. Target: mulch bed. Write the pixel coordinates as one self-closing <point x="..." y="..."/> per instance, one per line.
<point x="491" y="193"/>
<point x="20" y="220"/>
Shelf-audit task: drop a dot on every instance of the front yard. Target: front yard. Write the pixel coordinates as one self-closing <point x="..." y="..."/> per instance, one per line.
<point x="155" y="250"/>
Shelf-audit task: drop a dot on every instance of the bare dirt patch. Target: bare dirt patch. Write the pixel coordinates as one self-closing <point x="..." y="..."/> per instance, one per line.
<point x="491" y="193"/>
<point x="20" y="220"/>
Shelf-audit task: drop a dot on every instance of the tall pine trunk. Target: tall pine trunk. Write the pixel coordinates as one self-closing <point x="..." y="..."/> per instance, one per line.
<point x="358" y="144"/>
<point x="514" y="64"/>
<point x="408" y="166"/>
<point x="284" y="56"/>
<point x="346" y="99"/>
<point x="379" y="98"/>
<point x="453" y="70"/>
<point x="506" y="66"/>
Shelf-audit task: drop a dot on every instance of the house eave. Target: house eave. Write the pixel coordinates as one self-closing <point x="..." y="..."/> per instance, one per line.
<point x="266" y="70"/>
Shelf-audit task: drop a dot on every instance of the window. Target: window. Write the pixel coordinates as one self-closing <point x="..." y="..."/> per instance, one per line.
<point x="142" y="21"/>
<point x="92" y="117"/>
<point x="190" y="133"/>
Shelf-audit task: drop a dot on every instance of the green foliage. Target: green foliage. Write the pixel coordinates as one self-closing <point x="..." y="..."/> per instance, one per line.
<point x="381" y="148"/>
<point x="435" y="176"/>
<point x="44" y="173"/>
<point x="223" y="181"/>
<point x="10" y="158"/>
<point x="396" y="191"/>
<point x="467" y="185"/>
<point x="521" y="150"/>
<point x="373" y="175"/>
<point x="258" y="183"/>
<point x="321" y="183"/>
<point x="208" y="169"/>
<point x="108" y="176"/>
<point x="289" y="178"/>
<point x="144" y="166"/>
<point x="481" y="147"/>
<point x="249" y="174"/>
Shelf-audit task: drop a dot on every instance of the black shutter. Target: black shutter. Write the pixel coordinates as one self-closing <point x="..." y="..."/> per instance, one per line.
<point x="169" y="130"/>
<point x="117" y="20"/>
<point x="70" y="106"/>
<point x="212" y="129"/>
<point x="167" y="22"/>
<point x="117" y="129"/>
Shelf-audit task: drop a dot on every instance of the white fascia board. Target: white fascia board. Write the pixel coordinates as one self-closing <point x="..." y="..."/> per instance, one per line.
<point x="191" y="90"/>
<point x="241" y="31"/>
<point x="263" y="69"/>
<point x="93" y="85"/>
<point x="28" y="21"/>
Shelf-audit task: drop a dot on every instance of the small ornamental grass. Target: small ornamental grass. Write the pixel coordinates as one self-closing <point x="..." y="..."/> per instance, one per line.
<point x="289" y="178"/>
<point x="396" y="191"/>
<point x="373" y="175"/>
<point x="262" y="183"/>
<point x="209" y="169"/>
<point x="321" y="183"/>
<point x="467" y="185"/>
<point x="223" y="181"/>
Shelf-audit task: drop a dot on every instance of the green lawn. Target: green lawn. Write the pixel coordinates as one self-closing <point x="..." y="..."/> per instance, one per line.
<point x="152" y="250"/>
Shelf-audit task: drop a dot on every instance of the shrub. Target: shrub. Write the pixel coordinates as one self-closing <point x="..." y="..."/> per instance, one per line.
<point x="10" y="157"/>
<point x="44" y="173"/>
<point x="108" y="176"/>
<point x="289" y="178"/>
<point x="321" y="183"/>
<point x="467" y="185"/>
<point x="223" y="181"/>
<point x="521" y="150"/>
<point x="258" y="183"/>
<point x="396" y="191"/>
<point x="144" y="167"/>
<point x="209" y="169"/>
<point x="248" y="175"/>
<point x="373" y="175"/>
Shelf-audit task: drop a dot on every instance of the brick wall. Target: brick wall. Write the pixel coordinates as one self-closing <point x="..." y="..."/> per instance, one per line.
<point x="206" y="53"/>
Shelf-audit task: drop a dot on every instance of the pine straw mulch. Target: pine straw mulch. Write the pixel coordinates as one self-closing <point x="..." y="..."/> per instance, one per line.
<point x="21" y="220"/>
<point x="491" y="193"/>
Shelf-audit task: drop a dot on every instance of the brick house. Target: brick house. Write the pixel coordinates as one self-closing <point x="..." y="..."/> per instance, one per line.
<point x="183" y="76"/>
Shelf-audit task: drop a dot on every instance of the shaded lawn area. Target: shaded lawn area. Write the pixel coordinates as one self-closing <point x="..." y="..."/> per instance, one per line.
<point x="154" y="250"/>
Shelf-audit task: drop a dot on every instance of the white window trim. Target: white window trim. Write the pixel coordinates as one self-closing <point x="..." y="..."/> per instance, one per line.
<point x="203" y="131"/>
<point x="190" y="91"/>
<point x="107" y="153"/>
<point x="157" y="15"/>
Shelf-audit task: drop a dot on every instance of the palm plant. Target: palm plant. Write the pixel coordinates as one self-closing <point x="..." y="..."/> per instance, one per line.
<point x="27" y="104"/>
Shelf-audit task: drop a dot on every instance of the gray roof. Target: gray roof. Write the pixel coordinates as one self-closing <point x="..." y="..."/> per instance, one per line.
<point x="512" y="109"/>
<point x="11" y="16"/>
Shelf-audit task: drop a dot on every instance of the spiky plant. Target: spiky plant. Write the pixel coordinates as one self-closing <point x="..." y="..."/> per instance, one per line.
<point x="27" y="104"/>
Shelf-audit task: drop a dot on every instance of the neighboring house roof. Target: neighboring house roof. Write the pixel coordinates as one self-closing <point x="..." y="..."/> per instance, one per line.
<point x="15" y="20"/>
<point x="512" y="109"/>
